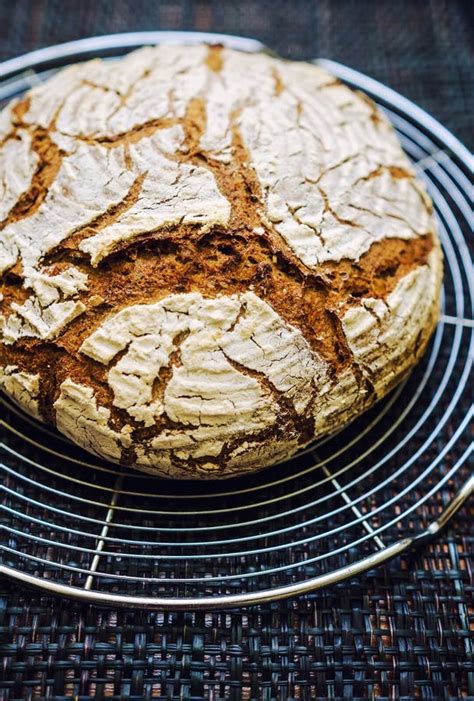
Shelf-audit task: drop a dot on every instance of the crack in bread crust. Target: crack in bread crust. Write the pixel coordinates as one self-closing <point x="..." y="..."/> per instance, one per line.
<point x="49" y="162"/>
<point x="187" y="180"/>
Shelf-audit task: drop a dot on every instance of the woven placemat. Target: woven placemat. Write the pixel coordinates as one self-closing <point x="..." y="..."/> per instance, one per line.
<point x="422" y="49"/>
<point x="399" y="632"/>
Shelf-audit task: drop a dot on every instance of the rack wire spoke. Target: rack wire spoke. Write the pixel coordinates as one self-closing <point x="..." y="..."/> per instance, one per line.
<point x="79" y="526"/>
<point x="103" y="534"/>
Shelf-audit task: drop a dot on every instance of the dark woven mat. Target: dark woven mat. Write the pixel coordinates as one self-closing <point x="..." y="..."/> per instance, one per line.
<point x="422" y="49"/>
<point x="400" y="632"/>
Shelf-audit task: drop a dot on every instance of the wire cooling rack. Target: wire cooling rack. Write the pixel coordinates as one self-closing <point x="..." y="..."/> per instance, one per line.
<point x="77" y="526"/>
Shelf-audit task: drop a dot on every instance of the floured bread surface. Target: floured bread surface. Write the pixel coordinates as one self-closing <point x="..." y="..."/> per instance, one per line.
<point x="208" y="258"/>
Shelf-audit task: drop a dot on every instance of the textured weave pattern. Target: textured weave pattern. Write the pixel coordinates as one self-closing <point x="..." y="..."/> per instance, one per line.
<point x="399" y="632"/>
<point x="422" y="49"/>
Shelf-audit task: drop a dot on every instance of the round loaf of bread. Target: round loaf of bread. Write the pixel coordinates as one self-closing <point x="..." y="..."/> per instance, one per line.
<point x="209" y="258"/>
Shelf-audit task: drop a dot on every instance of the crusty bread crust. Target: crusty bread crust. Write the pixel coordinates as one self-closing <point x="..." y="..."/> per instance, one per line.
<point x="208" y="258"/>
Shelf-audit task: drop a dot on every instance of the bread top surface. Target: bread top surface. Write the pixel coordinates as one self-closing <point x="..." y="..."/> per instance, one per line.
<point x="208" y="257"/>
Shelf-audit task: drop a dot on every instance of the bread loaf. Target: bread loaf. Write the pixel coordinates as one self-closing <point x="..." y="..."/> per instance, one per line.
<point x="209" y="258"/>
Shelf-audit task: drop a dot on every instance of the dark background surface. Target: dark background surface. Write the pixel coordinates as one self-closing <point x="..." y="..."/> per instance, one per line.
<point x="401" y="631"/>
<point x="422" y="48"/>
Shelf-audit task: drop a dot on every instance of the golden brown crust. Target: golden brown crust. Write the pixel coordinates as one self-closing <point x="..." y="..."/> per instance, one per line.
<point x="272" y="259"/>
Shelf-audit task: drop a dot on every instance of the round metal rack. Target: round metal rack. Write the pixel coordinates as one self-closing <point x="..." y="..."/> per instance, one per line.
<point x="81" y="527"/>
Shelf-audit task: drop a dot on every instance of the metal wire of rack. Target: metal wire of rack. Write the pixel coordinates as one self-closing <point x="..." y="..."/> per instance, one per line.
<point x="80" y="527"/>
